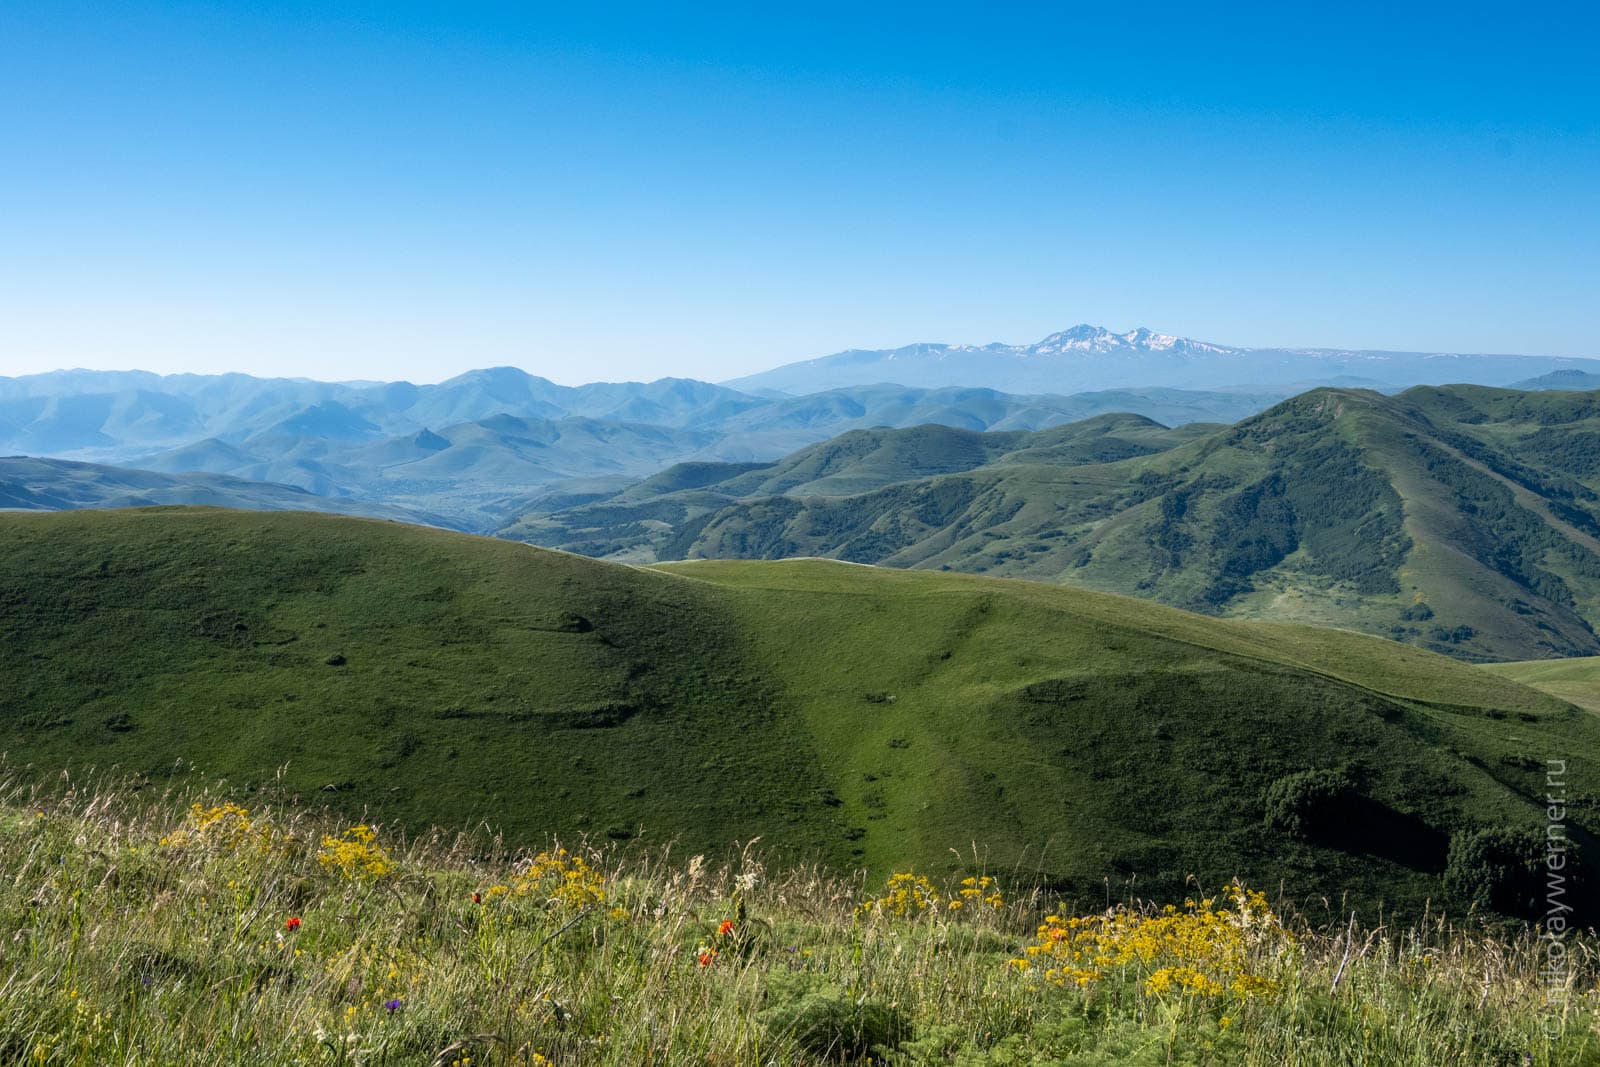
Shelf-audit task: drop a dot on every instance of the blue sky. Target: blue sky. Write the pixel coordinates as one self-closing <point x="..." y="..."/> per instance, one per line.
<point x="608" y="192"/>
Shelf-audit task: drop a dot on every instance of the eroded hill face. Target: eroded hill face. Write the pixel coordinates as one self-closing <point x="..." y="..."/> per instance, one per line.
<point x="1461" y="519"/>
<point x="849" y="714"/>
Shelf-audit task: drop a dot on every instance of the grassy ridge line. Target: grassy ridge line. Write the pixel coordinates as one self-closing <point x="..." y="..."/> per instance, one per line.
<point x="1574" y="680"/>
<point x="858" y="716"/>
<point x="433" y="677"/>
<point x="1352" y="657"/>
<point x="143" y="934"/>
<point x="837" y="621"/>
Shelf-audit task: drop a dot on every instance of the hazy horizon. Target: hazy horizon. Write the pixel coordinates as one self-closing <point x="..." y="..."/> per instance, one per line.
<point x="577" y="379"/>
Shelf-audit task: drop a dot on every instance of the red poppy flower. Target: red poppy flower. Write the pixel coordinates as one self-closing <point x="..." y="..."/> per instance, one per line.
<point x="726" y="928"/>
<point x="292" y="923"/>
<point x="707" y="958"/>
<point x="477" y="898"/>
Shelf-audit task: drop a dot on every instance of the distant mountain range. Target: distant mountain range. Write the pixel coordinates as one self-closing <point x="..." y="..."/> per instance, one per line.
<point x="1462" y="519"/>
<point x="484" y="448"/>
<point x="1093" y="357"/>
<point x="1570" y="380"/>
<point x="28" y="484"/>
<point x="478" y="447"/>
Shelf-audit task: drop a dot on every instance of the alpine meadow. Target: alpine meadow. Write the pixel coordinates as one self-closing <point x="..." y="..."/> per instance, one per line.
<point x="663" y="535"/>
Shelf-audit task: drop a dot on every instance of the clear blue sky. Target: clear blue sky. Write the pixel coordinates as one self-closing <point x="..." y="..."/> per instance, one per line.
<point x="616" y="192"/>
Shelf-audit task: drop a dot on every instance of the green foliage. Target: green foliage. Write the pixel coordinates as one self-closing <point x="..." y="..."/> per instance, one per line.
<point x="1501" y="869"/>
<point x="1304" y="803"/>
<point x="831" y="1024"/>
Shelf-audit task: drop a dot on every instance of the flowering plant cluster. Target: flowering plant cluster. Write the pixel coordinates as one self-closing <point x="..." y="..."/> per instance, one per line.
<point x="907" y="896"/>
<point x="1201" y="950"/>
<point x="224" y="827"/>
<point x="911" y="896"/>
<point x="977" y="892"/>
<point x="356" y="854"/>
<point x="559" y="877"/>
<point x="214" y="951"/>
<point x="727" y="932"/>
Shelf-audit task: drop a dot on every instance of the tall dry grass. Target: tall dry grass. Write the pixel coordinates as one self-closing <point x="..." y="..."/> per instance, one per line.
<point x="175" y="929"/>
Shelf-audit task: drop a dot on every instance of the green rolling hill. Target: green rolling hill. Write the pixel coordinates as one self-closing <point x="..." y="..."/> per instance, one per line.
<point x="1462" y="519"/>
<point x="855" y="715"/>
<point x="1573" y="680"/>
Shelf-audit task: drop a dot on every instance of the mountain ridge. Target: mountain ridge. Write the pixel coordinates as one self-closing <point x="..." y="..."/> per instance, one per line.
<point x="32" y="484"/>
<point x="1065" y="361"/>
<point x="401" y="445"/>
<point x="1461" y="518"/>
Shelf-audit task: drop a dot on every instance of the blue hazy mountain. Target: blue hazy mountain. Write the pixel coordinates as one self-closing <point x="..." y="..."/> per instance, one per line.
<point x="29" y="484"/>
<point x="485" y="443"/>
<point x="1092" y="357"/>
<point x="467" y="445"/>
<point x="1579" y="380"/>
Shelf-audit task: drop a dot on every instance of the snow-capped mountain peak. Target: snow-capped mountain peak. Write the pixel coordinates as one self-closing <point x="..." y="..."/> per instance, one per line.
<point x="1088" y="358"/>
<point x="1087" y="338"/>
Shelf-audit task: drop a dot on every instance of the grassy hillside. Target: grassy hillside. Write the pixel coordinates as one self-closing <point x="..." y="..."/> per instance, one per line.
<point x="1462" y="519"/>
<point x="856" y="715"/>
<point x="1574" y="680"/>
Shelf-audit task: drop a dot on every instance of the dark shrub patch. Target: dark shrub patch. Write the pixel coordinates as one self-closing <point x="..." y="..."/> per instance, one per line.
<point x="832" y="1025"/>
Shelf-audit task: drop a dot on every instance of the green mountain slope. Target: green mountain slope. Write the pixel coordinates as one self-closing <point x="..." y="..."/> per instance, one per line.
<point x="1462" y="519"/>
<point x="656" y="517"/>
<point x="1574" y="680"/>
<point x="852" y="714"/>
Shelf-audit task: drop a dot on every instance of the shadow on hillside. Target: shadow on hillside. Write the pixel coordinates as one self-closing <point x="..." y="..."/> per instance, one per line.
<point x="1367" y="827"/>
